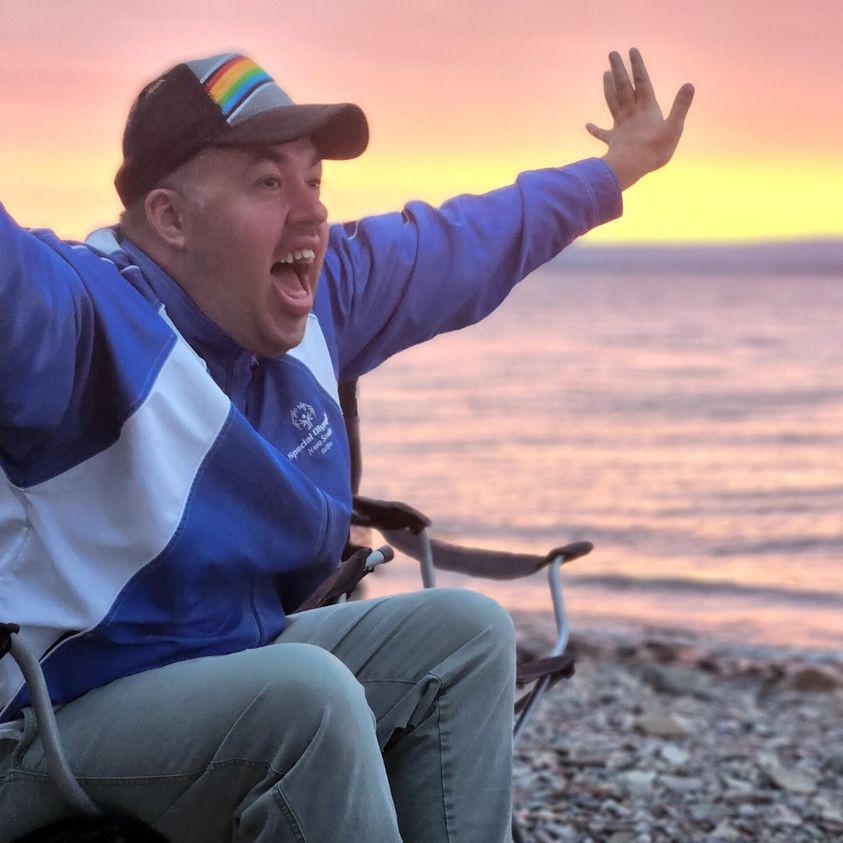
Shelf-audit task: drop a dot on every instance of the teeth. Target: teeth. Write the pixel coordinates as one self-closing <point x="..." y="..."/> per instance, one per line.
<point x="304" y="256"/>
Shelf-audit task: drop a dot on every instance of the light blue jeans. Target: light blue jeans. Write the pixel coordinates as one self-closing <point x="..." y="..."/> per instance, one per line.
<point x="382" y="720"/>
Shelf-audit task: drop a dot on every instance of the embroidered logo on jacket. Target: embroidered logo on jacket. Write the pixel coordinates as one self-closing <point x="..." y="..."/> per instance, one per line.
<point x="318" y="438"/>
<point x="303" y="416"/>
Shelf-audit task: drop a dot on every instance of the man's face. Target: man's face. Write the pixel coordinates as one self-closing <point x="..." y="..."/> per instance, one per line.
<point x="254" y="241"/>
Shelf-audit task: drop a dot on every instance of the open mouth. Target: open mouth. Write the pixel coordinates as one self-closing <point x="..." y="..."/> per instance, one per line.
<point x="292" y="276"/>
<point x="303" y="257"/>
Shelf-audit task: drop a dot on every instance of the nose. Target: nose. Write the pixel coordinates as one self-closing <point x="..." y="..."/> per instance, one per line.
<point x="306" y="205"/>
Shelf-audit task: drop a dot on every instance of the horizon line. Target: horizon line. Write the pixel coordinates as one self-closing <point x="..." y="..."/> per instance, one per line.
<point x="642" y="243"/>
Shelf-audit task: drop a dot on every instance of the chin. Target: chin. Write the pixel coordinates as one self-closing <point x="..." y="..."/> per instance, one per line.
<point x="279" y="346"/>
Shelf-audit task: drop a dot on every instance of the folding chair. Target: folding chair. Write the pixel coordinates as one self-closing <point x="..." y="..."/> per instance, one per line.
<point x="406" y="529"/>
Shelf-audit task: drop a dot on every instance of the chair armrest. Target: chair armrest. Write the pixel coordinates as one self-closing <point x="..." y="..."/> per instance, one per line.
<point x="555" y="667"/>
<point x="402" y="526"/>
<point x="344" y="579"/>
<point x="482" y="562"/>
<point x="387" y="515"/>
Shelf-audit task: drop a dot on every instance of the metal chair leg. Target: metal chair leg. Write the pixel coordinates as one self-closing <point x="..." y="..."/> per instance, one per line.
<point x="56" y="762"/>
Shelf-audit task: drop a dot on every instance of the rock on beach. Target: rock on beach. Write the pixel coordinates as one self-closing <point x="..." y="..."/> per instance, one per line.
<point x="662" y="736"/>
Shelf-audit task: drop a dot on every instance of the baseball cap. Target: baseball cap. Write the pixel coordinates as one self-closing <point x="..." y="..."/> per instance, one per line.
<point x="224" y="100"/>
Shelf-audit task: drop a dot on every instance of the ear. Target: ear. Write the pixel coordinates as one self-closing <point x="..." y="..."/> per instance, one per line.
<point x="165" y="209"/>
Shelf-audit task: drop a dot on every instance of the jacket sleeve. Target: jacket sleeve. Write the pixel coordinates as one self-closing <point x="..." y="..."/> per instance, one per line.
<point x="41" y="302"/>
<point x="399" y="279"/>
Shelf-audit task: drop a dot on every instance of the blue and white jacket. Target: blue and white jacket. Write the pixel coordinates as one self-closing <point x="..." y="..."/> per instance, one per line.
<point x="164" y="494"/>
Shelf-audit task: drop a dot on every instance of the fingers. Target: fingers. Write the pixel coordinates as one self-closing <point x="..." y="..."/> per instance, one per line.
<point x="681" y="104"/>
<point x="623" y="87"/>
<point x="611" y="93"/>
<point x="640" y="77"/>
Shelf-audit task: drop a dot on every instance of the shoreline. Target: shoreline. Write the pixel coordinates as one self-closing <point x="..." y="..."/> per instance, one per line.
<point x="595" y="633"/>
<point x="665" y="734"/>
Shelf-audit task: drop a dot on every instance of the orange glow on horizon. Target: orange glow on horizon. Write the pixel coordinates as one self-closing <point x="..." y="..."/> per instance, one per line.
<point x="690" y="202"/>
<point x="454" y="107"/>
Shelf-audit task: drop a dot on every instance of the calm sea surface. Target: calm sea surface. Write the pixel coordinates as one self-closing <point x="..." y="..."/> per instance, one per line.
<point x="690" y="425"/>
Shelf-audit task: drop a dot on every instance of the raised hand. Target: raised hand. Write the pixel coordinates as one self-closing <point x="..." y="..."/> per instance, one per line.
<point x="641" y="139"/>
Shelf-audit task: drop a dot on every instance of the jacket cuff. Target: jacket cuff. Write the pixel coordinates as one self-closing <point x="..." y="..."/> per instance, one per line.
<point x="599" y="178"/>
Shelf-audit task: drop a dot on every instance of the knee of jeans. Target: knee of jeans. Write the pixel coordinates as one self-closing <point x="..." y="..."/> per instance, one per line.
<point x="310" y="677"/>
<point x="292" y="692"/>
<point x="473" y="614"/>
<point x="290" y="702"/>
<point x="473" y="609"/>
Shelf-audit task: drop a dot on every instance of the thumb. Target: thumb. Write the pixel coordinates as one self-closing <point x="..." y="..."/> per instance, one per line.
<point x="681" y="104"/>
<point x="600" y="134"/>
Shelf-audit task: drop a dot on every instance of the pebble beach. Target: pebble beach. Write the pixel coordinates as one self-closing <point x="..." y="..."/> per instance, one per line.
<point x="662" y="735"/>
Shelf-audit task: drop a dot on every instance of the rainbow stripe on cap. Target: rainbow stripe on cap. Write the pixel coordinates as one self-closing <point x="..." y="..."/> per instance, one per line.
<point x="234" y="81"/>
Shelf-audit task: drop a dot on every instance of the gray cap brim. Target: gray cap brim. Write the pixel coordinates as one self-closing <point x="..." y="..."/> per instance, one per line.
<point x="338" y="131"/>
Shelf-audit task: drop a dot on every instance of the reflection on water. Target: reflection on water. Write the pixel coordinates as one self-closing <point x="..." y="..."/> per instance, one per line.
<point x="690" y="426"/>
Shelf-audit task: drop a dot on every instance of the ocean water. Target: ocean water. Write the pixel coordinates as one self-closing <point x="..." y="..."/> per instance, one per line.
<point x="689" y="423"/>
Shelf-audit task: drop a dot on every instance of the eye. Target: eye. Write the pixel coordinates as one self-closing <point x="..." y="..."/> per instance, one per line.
<point x="316" y="183"/>
<point x="273" y="182"/>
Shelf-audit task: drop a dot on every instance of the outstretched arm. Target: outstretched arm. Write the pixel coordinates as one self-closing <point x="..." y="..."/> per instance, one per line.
<point x="641" y="139"/>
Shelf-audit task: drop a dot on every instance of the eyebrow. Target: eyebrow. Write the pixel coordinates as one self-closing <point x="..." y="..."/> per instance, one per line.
<point x="268" y="153"/>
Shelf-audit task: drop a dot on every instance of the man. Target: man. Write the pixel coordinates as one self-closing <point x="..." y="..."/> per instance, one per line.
<point x="175" y="476"/>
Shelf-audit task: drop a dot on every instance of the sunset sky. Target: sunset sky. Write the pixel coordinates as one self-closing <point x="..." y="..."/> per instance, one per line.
<point x="460" y="96"/>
